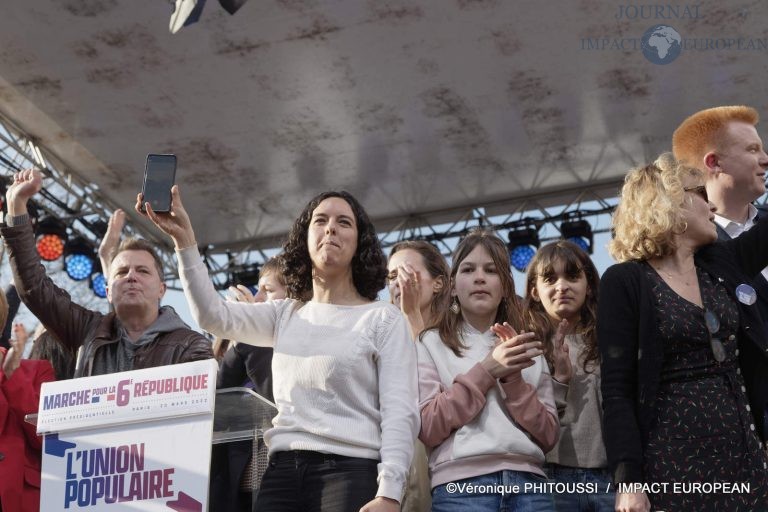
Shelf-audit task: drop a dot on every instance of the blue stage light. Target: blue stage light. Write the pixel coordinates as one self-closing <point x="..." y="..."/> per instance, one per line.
<point x="581" y="242"/>
<point x="521" y="256"/>
<point x="79" y="266"/>
<point x="79" y="258"/>
<point x="579" y="232"/>
<point x="99" y="285"/>
<point x="522" y="246"/>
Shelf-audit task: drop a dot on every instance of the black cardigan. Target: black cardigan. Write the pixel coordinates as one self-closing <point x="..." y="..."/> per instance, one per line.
<point x="632" y="354"/>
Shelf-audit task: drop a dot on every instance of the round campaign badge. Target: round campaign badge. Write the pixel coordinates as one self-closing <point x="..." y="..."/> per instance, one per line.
<point x="746" y="294"/>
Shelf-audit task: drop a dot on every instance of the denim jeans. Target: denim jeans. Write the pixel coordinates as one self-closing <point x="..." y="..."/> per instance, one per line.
<point x="600" y="501"/>
<point x="493" y="492"/>
<point x="300" y="481"/>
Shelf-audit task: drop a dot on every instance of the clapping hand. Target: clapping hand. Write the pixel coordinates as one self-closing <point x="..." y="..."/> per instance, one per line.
<point x="560" y="355"/>
<point x="13" y="357"/>
<point x="513" y="353"/>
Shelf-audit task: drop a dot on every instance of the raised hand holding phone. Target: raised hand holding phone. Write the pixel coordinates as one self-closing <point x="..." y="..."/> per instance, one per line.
<point x="159" y="177"/>
<point x="174" y="223"/>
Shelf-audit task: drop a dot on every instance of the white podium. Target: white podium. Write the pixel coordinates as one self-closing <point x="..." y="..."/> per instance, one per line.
<point x="137" y="440"/>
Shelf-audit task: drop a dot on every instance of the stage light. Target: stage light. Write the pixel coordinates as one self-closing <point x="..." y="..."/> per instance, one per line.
<point x="99" y="284"/>
<point x="579" y="232"/>
<point x="522" y="246"/>
<point x="78" y="258"/>
<point x="248" y="276"/>
<point x="51" y="236"/>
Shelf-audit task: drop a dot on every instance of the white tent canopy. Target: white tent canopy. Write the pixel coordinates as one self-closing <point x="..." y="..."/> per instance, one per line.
<point x="420" y="109"/>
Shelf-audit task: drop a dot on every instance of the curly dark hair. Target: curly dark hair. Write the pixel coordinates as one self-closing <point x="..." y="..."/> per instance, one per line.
<point x="369" y="265"/>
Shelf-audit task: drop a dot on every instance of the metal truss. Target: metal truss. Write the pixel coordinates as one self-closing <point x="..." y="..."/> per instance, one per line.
<point x="86" y="210"/>
<point x="66" y="196"/>
<point x="545" y="212"/>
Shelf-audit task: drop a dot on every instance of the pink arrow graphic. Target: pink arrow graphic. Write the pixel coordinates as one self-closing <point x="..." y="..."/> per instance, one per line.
<point x="185" y="503"/>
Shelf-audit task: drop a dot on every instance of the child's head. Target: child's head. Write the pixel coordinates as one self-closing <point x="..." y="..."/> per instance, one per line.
<point x="481" y="287"/>
<point x="561" y="284"/>
<point x="480" y="277"/>
<point x="271" y="281"/>
<point x="561" y="279"/>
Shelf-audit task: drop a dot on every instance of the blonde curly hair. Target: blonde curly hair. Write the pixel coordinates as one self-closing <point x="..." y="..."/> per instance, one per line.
<point x="650" y="213"/>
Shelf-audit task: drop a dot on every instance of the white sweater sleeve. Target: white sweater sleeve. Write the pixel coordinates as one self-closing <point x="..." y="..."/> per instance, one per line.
<point x="398" y="398"/>
<point x="247" y="323"/>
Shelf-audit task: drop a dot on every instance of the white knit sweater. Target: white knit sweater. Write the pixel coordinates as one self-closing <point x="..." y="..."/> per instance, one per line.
<point x="344" y="377"/>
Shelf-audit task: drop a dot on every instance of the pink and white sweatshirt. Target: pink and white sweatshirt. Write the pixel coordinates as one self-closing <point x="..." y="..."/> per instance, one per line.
<point x="473" y="424"/>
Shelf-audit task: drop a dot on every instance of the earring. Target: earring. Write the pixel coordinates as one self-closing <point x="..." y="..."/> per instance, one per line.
<point x="685" y="228"/>
<point x="455" y="308"/>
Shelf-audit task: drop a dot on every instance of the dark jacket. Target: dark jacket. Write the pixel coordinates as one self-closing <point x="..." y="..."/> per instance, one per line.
<point x="758" y="283"/>
<point x="77" y="326"/>
<point x="228" y="460"/>
<point x="246" y="362"/>
<point x="632" y="354"/>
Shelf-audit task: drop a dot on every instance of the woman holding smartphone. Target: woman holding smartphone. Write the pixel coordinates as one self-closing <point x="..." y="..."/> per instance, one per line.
<point x="344" y="373"/>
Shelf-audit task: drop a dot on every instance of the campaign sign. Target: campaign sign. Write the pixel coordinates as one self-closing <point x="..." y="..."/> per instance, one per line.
<point x="137" y="440"/>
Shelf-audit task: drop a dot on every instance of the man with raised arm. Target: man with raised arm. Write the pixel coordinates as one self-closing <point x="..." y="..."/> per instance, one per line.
<point x="139" y="333"/>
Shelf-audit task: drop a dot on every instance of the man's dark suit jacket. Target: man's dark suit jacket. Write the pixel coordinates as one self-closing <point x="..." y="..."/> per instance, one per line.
<point x="760" y="284"/>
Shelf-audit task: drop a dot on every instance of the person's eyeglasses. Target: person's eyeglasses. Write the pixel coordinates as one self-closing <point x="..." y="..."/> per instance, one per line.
<point x="713" y="326"/>
<point x="701" y="190"/>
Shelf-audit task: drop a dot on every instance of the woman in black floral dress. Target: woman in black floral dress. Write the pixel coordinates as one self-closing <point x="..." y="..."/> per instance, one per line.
<point x="683" y="360"/>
